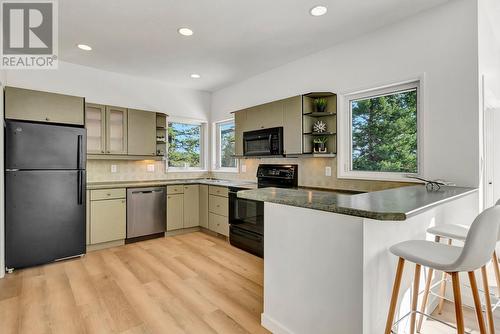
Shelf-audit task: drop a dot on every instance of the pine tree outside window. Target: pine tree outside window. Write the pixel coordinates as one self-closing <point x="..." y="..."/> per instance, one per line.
<point x="185" y="146"/>
<point x="382" y="141"/>
<point x="225" y="141"/>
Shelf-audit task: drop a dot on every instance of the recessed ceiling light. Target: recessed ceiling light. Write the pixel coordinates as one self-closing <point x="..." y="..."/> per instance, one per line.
<point x="84" y="47"/>
<point x="185" y="31"/>
<point x="318" y="10"/>
<point x="195" y="76"/>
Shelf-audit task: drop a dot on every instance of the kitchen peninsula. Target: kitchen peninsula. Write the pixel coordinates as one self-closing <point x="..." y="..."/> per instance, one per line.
<point x="327" y="267"/>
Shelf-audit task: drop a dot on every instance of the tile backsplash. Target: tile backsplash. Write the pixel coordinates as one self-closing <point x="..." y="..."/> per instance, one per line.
<point x="100" y="171"/>
<point x="311" y="173"/>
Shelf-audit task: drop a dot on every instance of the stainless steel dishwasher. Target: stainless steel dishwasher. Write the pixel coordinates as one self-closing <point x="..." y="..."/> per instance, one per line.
<point x="146" y="212"/>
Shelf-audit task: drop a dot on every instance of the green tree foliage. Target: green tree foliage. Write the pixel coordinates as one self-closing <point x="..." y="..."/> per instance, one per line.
<point x="384" y="133"/>
<point x="227" y="145"/>
<point x="184" y="145"/>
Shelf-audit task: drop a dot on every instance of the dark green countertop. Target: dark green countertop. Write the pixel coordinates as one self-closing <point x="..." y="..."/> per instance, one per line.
<point x="390" y="205"/>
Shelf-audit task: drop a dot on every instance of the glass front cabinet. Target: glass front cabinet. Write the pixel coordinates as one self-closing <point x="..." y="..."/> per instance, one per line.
<point x="106" y="129"/>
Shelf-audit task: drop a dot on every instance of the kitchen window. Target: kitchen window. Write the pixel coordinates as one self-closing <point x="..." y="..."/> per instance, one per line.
<point x="224" y="145"/>
<point x="381" y="137"/>
<point x="185" y="145"/>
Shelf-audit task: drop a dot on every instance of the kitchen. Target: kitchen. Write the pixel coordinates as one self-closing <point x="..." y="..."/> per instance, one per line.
<point x="208" y="201"/>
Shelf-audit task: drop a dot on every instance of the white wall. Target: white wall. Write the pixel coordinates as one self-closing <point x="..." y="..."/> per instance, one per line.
<point x="440" y="43"/>
<point x="489" y="103"/>
<point x="111" y="88"/>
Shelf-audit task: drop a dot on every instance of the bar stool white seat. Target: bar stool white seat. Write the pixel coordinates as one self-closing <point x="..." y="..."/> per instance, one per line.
<point x="476" y="252"/>
<point x="451" y="232"/>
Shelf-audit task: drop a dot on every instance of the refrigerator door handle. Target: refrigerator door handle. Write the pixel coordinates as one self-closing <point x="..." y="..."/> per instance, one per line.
<point x="80" y="188"/>
<point x="79" y="152"/>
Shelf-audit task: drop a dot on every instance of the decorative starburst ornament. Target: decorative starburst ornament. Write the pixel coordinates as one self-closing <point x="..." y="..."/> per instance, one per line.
<point x="319" y="126"/>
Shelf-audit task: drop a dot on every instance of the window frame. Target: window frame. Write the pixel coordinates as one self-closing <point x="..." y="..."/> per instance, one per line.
<point x="216" y="163"/>
<point x="344" y="161"/>
<point x="203" y="146"/>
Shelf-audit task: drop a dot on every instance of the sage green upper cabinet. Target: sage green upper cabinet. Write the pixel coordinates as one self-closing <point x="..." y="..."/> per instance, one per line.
<point x="95" y="123"/>
<point x="240" y="118"/>
<point x="116" y="126"/>
<point x="267" y="115"/>
<point x="106" y="129"/>
<point x="141" y="132"/>
<point x="292" y="125"/>
<point x="32" y="105"/>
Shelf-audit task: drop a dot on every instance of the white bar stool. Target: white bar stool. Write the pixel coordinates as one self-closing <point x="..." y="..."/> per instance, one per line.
<point x="476" y="252"/>
<point x="452" y="232"/>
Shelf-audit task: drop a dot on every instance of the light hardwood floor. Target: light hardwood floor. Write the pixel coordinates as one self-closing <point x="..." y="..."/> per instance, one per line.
<point x="192" y="283"/>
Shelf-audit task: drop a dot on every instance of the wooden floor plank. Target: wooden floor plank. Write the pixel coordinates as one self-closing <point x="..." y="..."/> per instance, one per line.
<point x="187" y="284"/>
<point x="140" y="288"/>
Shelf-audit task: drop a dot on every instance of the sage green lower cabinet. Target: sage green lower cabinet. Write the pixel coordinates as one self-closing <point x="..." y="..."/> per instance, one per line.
<point x="204" y="205"/>
<point x="108" y="220"/>
<point x="218" y="208"/>
<point x="87" y="216"/>
<point x="191" y="205"/>
<point x="218" y="223"/>
<point x="175" y="212"/>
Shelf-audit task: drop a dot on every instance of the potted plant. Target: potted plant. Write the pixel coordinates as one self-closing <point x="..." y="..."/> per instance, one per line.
<point x="320" y="104"/>
<point x="320" y="144"/>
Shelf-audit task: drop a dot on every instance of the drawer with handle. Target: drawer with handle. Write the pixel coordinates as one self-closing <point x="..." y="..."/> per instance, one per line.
<point x="218" y="205"/>
<point x="101" y="194"/>
<point x="219" y="191"/>
<point x="218" y="224"/>
<point x="177" y="189"/>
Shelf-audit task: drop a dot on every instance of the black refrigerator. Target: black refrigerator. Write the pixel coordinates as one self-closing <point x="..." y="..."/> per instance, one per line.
<point x="44" y="193"/>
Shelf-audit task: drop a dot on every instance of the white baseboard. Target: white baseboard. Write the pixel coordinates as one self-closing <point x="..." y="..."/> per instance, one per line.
<point x="273" y="326"/>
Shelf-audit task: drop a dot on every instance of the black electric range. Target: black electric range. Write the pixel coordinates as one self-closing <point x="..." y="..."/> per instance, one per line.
<point x="246" y="217"/>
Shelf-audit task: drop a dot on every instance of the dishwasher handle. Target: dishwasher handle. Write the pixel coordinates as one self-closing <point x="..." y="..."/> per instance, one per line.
<point x="147" y="191"/>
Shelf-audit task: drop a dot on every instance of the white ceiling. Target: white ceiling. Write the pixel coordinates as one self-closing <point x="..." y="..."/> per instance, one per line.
<point x="233" y="39"/>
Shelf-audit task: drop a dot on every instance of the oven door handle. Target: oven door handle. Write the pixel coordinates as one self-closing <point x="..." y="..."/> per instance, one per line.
<point x="248" y="235"/>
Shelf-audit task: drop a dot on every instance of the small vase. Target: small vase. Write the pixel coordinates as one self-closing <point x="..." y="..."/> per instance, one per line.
<point x="321" y="108"/>
<point x="319" y="147"/>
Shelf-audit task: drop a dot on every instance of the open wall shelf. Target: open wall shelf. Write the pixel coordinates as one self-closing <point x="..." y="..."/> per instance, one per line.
<point x="310" y="116"/>
<point x="161" y="135"/>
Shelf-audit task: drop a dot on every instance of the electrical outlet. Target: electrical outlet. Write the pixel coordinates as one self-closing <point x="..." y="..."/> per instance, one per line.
<point x="243" y="168"/>
<point x="328" y="171"/>
<point x="113" y="169"/>
<point x="151" y="168"/>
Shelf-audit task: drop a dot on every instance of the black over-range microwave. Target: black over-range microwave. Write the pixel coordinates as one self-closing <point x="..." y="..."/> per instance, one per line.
<point x="263" y="142"/>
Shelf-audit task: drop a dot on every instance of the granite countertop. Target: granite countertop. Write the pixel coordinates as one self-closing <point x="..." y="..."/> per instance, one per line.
<point x="390" y="205"/>
<point x="152" y="183"/>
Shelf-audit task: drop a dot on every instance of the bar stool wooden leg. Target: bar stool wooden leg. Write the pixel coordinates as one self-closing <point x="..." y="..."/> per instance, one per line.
<point x="497" y="271"/>
<point x="427" y="290"/>
<point x="394" y="297"/>
<point x="487" y="300"/>
<point x="414" y="298"/>
<point x="425" y="299"/>
<point x="477" y="303"/>
<point x="442" y="288"/>
<point x="458" y="302"/>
